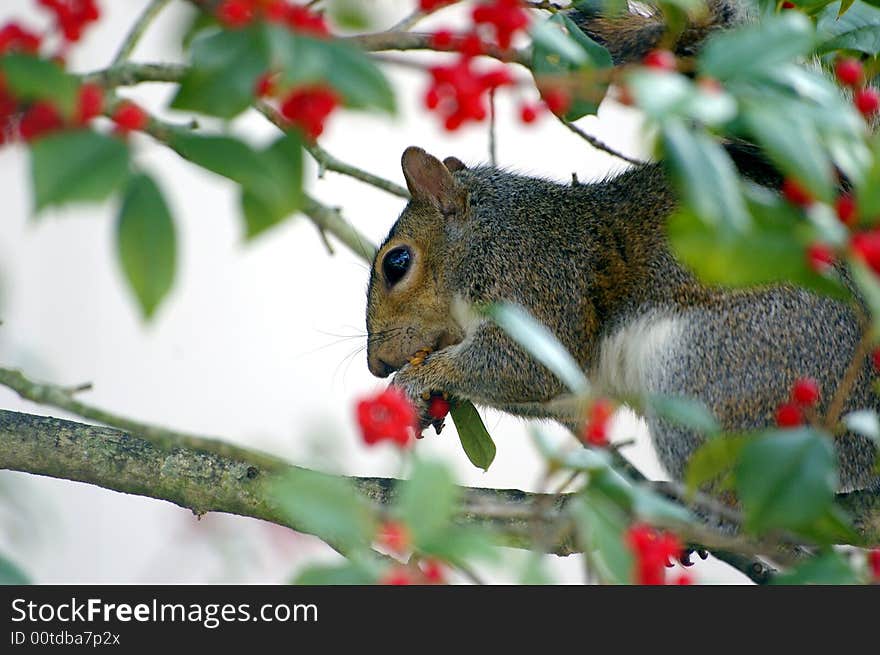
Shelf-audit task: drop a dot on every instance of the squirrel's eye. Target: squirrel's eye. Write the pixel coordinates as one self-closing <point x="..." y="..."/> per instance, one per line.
<point x="396" y="264"/>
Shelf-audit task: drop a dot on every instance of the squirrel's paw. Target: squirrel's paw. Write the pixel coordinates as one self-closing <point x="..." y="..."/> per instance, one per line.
<point x="412" y="381"/>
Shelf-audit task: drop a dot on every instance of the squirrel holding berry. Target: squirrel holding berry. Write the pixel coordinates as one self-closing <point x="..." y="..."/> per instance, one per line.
<point x="592" y="263"/>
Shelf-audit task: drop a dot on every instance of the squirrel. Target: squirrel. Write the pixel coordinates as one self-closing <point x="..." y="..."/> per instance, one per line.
<point x="592" y="263"/>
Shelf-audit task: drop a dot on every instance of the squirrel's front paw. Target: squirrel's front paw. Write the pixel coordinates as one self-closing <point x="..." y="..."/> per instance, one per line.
<point x="412" y="382"/>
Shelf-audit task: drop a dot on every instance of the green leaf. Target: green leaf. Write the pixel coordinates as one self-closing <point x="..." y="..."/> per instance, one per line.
<point x="868" y="190"/>
<point x="786" y="479"/>
<point x="427" y="502"/>
<point x="146" y="243"/>
<point x="685" y="411"/>
<point x="856" y="29"/>
<point x="560" y="48"/>
<point x="224" y="69"/>
<point x="77" y="166"/>
<point x="844" y="7"/>
<point x="475" y="439"/>
<point x="715" y="460"/>
<point x="601" y="526"/>
<point x="537" y="340"/>
<point x="757" y="49"/>
<point x="834" y="526"/>
<point x="869" y="288"/>
<point x="31" y="78"/>
<point x="826" y="569"/>
<point x="706" y="177"/>
<point x="304" y="59"/>
<point x="11" y="574"/>
<point x="348" y="573"/>
<point x="792" y="142"/>
<point x="266" y="206"/>
<point x="325" y="506"/>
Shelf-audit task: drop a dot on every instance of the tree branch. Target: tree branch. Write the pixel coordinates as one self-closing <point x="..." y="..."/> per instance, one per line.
<point x="138" y="29"/>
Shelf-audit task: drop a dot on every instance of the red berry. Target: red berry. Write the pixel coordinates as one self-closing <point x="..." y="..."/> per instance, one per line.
<point x="438" y="408"/>
<point x="504" y="17"/>
<point x="684" y="579"/>
<point x="41" y="118"/>
<point x="431" y="5"/>
<point x="130" y="118"/>
<point x="875" y="359"/>
<point x="442" y="39"/>
<point x="867" y="101"/>
<point x="874" y="564"/>
<point x="13" y="37"/>
<point x="849" y="71"/>
<point x="846" y="208"/>
<point x="308" y="108"/>
<point x="557" y="100"/>
<point x="433" y="571"/>
<point x="660" y="60"/>
<point x="90" y="103"/>
<point x="387" y="416"/>
<point x="397" y="576"/>
<point x="302" y="19"/>
<point x="528" y="113"/>
<point x="795" y="193"/>
<point x="596" y="430"/>
<point x="653" y="551"/>
<point x="820" y="257"/>
<point x="235" y="13"/>
<point x="866" y="245"/>
<point x="395" y="537"/>
<point x="789" y="415"/>
<point x="265" y="85"/>
<point x="805" y="392"/>
<point x="471" y="45"/>
<point x="788" y="5"/>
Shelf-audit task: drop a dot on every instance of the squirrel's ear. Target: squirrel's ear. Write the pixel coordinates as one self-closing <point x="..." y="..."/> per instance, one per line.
<point x="454" y="164"/>
<point x="429" y="179"/>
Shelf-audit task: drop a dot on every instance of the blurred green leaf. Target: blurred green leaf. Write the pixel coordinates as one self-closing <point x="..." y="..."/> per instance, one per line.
<point x="11" y="574"/>
<point x="325" y="506"/>
<point x="427" y="502"/>
<point x="829" y="568"/>
<point x="475" y="439"/>
<point x="601" y="526"/>
<point x="535" y="572"/>
<point x="752" y="49"/>
<point x="349" y="573"/>
<point x="714" y="461"/>
<point x="685" y="411"/>
<point x="537" y="340"/>
<point x="304" y="59"/>
<point x="77" y="166"/>
<point x="869" y="288"/>
<point x="857" y="29"/>
<point x="282" y="196"/>
<point x="705" y="176"/>
<point x="786" y="479"/>
<point x="560" y="48"/>
<point x="31" y="78"/>
<point x="833" y="526"/>
<point x="224" y="69"/>
<point x="867" y="192"/>
<point x="661" y="94"/>
<point x="146" y="243"/>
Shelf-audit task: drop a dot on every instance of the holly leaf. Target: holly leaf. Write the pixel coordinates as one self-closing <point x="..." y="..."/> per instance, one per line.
<point x="475" y="439"/>
<point x="264" y="207"/>
<point x="828" y="568"/>
<point x="32" y="78"/>
<point x="427" y="502"/>
<point x="854" y="28"/>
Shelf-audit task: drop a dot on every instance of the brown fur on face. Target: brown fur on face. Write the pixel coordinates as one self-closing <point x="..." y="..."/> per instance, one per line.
<point x="414" y="314"/>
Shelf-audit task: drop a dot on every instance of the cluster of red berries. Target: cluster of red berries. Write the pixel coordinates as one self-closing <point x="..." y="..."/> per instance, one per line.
<point x="458" y="91"/>
<point x="395" y="537"/>
<point x="72" y="16"/>
<point x="240" y="13"/>
<point x="804" y="395"/>
<point x="388" y="416"/>
<point x="850" y="73"/>
<point x="654" y="551"/>
<point x="596" y="428"/>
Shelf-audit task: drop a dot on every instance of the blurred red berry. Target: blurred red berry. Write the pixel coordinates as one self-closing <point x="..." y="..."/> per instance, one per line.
<point x="265" y="85"/>
<point x="89" y="104"/>
<point x="820" y="258"/>
<point x="849" y="71"/>
<point x="788" y="5"/>
<point x="504" y="17"/>
<point x="846" y="208"/>
<point x="433" y="571"/>
<point x="309" y="107"/>
<point x="458" y="91"/>
<point x="14" y="38"/>
<point x="72" y="16"/>
<point x="394" y="536"/>
<point x="236" y="13"/>
<point x="40" y="119"/>
<point x="867" y="101"/>
<point x="438" y="408"/>
<point x="789" y="415"/>
<point x="596" y="429"/>
<point x="528" y="113"/>
<point x="684" y="579"/>
<point x="130" y="118"/>
<point x="398" y="576"/>
<point x="387" y="416"/>
<point x="431" y="5"/>
<point x="653" y="550"/>
<point x="874" y="564"/>
<point x="795" y="193"/>
<point x="866" y="246"/>
<point x="471" y="45"/>
<point x="805" y="392"/>
<point x="875" y="359"/>
<point x="301" y="19"/>
<point x="660" y="60"/>
<point x="442" y="39"/>
<point x="557" y="100"/>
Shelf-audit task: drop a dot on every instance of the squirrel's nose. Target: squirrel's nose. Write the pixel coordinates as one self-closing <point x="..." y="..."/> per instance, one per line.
<point x="380" y="368"/>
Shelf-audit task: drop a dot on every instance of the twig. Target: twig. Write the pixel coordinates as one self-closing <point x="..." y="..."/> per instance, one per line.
<point x="331" y="220"/>
<point x="493" y="154"/>
<point x="598" y="144"/>
<point x="843" y="390"/>
<point x="138" y="29"/>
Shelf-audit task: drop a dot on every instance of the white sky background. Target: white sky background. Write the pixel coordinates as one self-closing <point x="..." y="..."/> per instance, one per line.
<point x="249" y="346"/>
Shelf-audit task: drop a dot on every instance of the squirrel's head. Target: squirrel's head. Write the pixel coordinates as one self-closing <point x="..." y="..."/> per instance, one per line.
<point x="409" y="308"/>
